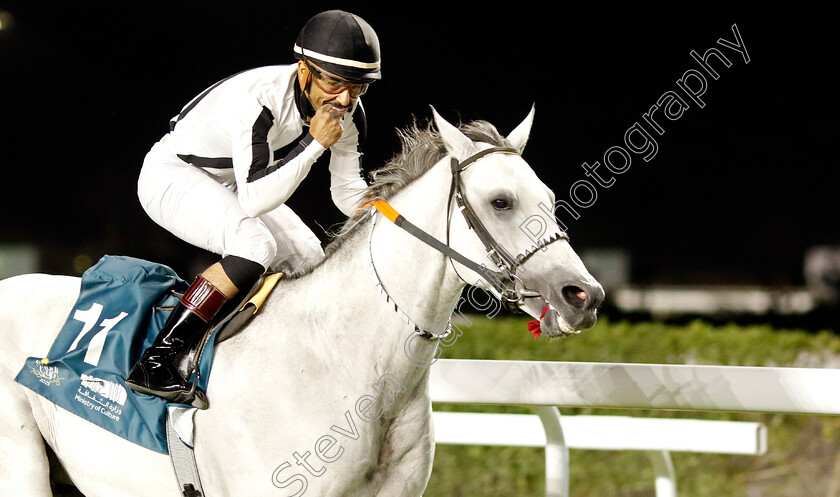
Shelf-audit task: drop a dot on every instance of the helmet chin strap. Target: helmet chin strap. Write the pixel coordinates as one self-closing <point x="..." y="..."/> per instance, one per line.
<point x="303" y="103"/>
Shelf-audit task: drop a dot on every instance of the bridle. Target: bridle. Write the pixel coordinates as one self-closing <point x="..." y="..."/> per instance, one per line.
<point x="505" y="281"/>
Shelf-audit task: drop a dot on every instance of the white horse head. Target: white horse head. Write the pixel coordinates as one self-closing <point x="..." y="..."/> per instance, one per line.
<point x="507" y="196"/>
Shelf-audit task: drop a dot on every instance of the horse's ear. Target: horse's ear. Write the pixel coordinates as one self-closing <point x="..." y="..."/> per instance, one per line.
<point x="519" y="136"/>
<point x="457" y="143"/>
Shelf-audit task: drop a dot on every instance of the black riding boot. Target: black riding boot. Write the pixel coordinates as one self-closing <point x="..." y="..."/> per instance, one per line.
<point x="157" y="371"/>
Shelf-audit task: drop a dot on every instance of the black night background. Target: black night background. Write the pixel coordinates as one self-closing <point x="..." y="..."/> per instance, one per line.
<point x="736" y="193"/>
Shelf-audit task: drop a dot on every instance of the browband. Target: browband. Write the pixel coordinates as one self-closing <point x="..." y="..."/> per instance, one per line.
<point x="460" y="166"/>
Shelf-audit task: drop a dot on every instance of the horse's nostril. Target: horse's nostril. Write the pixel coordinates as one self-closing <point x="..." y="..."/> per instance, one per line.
<point x="575" y="296"/>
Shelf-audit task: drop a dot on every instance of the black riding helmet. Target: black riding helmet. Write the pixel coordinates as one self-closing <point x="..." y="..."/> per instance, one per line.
<point x="340" y="43"/>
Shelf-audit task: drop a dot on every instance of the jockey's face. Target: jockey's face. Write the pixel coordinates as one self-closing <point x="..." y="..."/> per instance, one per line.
<point x="320" y="87"/>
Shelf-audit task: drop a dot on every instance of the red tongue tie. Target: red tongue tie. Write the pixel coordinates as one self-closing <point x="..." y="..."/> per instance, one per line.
<point x="534" y="326"/>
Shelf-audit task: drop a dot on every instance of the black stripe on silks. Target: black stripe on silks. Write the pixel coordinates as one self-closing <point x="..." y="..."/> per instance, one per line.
<point x="195" y="102"/>
<point x="291" y="151"/>
<point x="211" y="162"/>
<point x="260" y="151"/>
<point x="198" y="99"/>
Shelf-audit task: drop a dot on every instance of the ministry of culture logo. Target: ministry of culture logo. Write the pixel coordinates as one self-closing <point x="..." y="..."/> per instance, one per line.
<point x="48" y="375"/>
<point x="102" y="396"/>
<point x="107" y="389"/>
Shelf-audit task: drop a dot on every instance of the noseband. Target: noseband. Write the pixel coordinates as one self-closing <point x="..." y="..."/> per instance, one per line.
<point x="503" y="281"/>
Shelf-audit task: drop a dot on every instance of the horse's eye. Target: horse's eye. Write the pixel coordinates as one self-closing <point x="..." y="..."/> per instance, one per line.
<point x="500" y="204"/>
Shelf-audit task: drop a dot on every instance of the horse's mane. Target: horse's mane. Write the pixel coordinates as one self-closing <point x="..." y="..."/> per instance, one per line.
<point x="421" y="148"/>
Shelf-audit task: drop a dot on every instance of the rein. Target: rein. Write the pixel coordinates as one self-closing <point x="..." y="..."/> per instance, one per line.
<point x="503" y="281"/>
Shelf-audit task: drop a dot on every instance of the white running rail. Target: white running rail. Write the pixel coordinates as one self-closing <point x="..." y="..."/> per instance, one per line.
<point x="657" y="436"/>
<point x="543" y="385"/>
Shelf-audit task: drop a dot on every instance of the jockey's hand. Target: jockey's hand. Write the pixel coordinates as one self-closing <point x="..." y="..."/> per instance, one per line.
<point x="325" y="126"/>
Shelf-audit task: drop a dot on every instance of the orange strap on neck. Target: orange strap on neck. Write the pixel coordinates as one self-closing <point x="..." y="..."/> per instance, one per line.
<point x="491" y="277"/>
<point x="383" y="207"/>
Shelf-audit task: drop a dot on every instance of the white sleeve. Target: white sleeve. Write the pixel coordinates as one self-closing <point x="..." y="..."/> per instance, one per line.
<point x="346" y="182"/>
<point x="262" y="188"/>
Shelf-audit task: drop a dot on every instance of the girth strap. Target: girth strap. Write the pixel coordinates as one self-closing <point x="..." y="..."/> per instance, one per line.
<point x="181" y="453"/>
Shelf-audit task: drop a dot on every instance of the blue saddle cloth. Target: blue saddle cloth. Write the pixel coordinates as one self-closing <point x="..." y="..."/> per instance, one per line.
<point x="122" y="305"/>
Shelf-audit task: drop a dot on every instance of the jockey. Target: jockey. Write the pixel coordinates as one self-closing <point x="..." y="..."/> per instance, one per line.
<point x="234" y="155"/>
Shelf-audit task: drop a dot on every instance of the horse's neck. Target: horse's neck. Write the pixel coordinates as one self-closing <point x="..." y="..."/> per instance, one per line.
<point x="339" y="303"/>
<point x="417" y="277"/>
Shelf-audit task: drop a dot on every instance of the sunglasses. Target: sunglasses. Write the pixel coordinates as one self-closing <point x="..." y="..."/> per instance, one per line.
<point x="333" y="86"/>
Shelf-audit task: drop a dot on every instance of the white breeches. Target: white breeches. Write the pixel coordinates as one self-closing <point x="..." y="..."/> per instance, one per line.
<point x="197" y="208"/>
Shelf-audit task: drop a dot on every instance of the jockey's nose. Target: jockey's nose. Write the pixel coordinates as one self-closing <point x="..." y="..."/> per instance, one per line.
<point x="344" y="98"/>
<point x="584" y="296"/>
